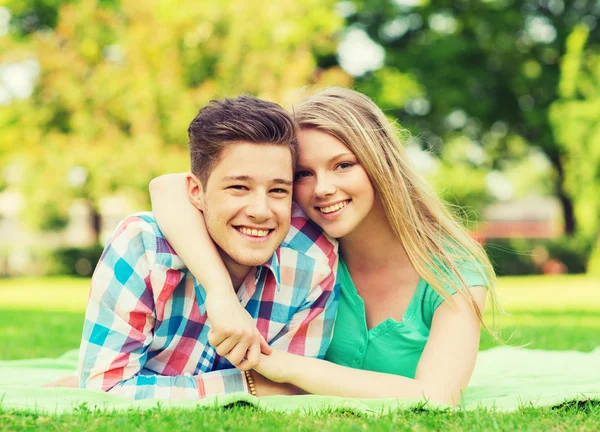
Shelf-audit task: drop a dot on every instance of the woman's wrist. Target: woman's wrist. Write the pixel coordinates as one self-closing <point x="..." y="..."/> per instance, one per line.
<point x="294" y="368"/>
<point x="266" y="387"/>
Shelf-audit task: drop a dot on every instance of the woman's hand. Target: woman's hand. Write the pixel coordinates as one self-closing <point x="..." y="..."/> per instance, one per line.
<point x="276" y="366"/>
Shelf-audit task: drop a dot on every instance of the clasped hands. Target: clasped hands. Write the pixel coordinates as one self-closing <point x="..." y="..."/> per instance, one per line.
<point x="234" y="336"/>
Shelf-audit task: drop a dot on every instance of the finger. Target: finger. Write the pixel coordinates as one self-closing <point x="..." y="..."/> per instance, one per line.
<point x="216" y="337"/>
<point x="260" y="367"/>
<point x="252" y="358"/>
<point x="225" y="347"/>
<point x="236" y="355"/>
<point x="264" y="346"/>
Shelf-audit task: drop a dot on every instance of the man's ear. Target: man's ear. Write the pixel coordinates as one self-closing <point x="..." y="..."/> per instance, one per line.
<point x="195" y="191"/>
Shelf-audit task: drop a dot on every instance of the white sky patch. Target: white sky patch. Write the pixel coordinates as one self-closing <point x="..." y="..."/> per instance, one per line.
<point x="4" y="21"/>
<point x="114" y="53"/>
<point x="475" y="153"/>
<point x="500" y="129"/>
<point x="456" y="119"/>
<point x="5" y="96"/>
<point x="540" y="161"/>
<point x="358" y="54"/>
<point x="540" y="29"/>
<point x="422" y="160"/>
<point x="408" y="3"/>
<point x="345" y="8"/>
<point x="556" y="6"/>
<point x="443" y="22"/>
<point x="395" y="28"/>
<point x="417" y="106"/>
<point x="499" y="185"/>
<point x="17" y="80"/>
<point x="77" y="176"/>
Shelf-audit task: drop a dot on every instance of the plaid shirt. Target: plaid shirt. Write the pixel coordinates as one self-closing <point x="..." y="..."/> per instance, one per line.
<point x="145" y="330"/>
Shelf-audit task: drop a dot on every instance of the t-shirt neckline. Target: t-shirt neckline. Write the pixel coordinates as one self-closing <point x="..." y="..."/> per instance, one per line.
<point x="387" y="323"/>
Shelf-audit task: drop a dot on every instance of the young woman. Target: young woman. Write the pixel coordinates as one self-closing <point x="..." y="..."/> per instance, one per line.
<point x="413" y="282"/>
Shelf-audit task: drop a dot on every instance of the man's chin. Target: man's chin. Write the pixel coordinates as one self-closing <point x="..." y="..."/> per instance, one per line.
<point x="252" y="261"/>
<point x="251" y="258"/>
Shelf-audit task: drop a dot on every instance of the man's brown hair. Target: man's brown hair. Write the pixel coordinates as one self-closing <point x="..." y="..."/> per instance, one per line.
<point x="241" y="119"/>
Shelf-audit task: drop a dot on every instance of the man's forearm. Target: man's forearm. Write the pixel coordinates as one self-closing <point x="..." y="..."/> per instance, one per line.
<point x="187" y="386"/>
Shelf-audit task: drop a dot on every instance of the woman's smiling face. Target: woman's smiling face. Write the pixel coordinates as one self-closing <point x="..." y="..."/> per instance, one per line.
<point x="330" y="184"/>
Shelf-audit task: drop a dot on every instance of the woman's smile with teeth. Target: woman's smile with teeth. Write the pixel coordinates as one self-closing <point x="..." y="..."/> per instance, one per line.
<point x="253" y="232"/>
<point x="332" y="208"/>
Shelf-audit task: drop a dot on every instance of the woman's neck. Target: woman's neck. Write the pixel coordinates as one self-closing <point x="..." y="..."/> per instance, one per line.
<point x="373" y="244"/>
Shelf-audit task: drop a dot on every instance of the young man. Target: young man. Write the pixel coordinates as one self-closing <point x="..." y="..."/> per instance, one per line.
<point x="146" y="332"/>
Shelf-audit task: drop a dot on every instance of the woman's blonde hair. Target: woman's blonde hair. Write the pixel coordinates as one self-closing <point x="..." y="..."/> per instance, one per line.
<point x="438" y="246"/>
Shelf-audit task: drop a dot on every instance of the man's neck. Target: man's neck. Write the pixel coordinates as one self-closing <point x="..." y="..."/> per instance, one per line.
<point x="237" y="272"/>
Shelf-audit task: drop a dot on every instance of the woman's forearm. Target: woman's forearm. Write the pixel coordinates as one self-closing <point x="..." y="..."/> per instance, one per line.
<point x="326" y="378"/>
<point x="184" y="228"/>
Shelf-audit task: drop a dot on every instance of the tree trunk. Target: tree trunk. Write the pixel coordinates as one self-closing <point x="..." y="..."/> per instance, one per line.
<point x="570" y="223"/>
<point x="95" y="222"/>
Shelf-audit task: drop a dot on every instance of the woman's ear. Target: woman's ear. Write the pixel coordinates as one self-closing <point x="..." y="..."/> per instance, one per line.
<point x="195" y="191"/>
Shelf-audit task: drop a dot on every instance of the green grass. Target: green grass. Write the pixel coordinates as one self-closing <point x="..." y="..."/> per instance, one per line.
<point x="43" y="318"/>
<point x="583" y="418"/>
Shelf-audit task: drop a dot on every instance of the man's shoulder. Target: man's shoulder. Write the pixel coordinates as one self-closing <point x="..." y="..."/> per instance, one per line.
<point x="307" y="238"/>
<point x="143" y="229"/>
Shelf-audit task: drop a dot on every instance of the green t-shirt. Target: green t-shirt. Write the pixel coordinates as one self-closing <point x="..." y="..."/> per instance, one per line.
<point x="390" y="347"/>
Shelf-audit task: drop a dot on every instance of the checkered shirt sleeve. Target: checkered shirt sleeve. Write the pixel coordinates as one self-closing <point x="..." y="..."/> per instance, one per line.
<point x="120" y="320"/>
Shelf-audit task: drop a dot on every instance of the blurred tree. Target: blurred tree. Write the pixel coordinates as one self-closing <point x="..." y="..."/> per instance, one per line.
<point x="119" y="83"/>
<point x="490" y="70"/>
<point x="574" y="117"/>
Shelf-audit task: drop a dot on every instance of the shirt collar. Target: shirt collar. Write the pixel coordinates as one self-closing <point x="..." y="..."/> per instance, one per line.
<point x="273" y="266"/>
<point x="248" y="289"/>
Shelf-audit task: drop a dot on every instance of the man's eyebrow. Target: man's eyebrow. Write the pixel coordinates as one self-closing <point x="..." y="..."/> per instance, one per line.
<point x="245" y="178"/>
<point x="283" y="181"/>
<point x="237" y="178"/>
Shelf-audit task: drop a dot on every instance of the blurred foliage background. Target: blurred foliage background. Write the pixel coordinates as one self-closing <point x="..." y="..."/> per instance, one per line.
<point x="501" y="98"/>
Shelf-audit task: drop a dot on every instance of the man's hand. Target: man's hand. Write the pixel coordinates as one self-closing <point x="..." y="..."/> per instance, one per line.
<point x="234" y="334"/>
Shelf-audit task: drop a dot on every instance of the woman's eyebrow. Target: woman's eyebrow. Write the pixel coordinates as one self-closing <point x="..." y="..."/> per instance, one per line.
<point x="342" y="156"/>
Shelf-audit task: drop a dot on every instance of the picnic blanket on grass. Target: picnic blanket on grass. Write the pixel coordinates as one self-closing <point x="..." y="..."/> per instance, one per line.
<point x="505" y="378"/>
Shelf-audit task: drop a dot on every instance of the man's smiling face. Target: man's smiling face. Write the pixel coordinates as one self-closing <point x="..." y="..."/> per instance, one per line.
<point x="247" y="202"/>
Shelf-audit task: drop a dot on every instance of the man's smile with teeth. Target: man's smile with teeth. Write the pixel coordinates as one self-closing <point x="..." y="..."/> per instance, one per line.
<point x="253" y="232"/>
<point x="332" y="208"/>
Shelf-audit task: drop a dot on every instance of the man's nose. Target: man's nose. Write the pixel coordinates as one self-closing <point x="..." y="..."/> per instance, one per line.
<point x="259" y="207"/>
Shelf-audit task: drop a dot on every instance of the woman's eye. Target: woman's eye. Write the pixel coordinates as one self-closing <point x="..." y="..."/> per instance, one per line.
<point x="302" y="174"/>
<point x="345" y="165"/>
<point x="280" y="191"/>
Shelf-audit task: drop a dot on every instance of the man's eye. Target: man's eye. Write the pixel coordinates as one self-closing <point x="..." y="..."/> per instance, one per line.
<point x="280" y="191"/>
<point x="238" y="187"/>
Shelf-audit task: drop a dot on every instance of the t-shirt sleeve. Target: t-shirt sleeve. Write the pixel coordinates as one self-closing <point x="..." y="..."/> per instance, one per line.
<point x="432" y="300"/>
